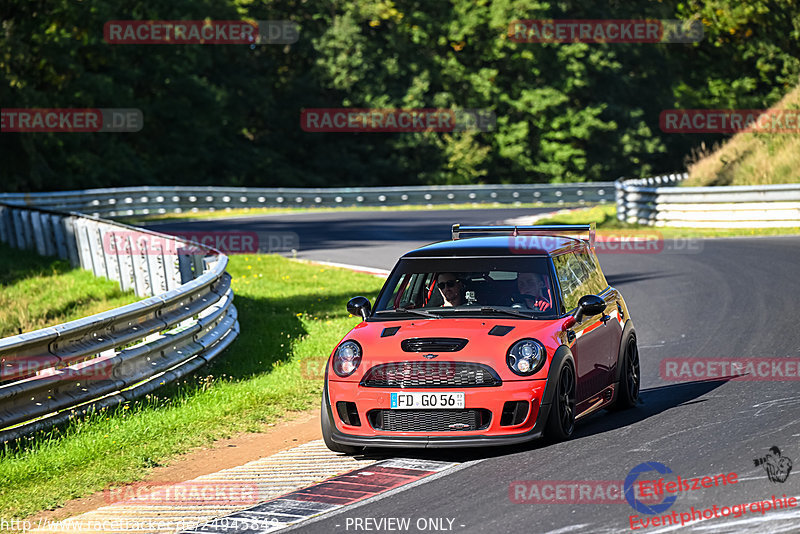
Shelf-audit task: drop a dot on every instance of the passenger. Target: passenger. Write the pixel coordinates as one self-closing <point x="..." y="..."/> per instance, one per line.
<point x="534" y="291"/>
<point x="451" y="288"/>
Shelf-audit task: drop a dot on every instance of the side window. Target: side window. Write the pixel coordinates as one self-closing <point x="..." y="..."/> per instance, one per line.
<point x="402" y="292"/>
<point x="411" y="286"/>
<point x="571" y="275"/>
<point x="579" y="274"/>
<point x="596" y="283"/>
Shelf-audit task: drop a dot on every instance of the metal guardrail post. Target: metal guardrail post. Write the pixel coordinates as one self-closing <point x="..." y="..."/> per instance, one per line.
<point x="95" y="255"/>
<point x="22" y="228"/>
<point x="141" y="269"/>
<point x="185" y="264"/>
<point x="156" y="268"/>
<point x="107" y="262"/>
<point x="82" y="243"/>
<point x="124" y="260"/>
<point x="38" y="233"/>
<point x="71" y="240"/>
<point x="59" y="236"/>
<point x="171" y="268"/>
<point x="49" y="234"/>
<point x="110" y="254"/>
<point x="5" y="225"/>
<point x="198" y="264"/>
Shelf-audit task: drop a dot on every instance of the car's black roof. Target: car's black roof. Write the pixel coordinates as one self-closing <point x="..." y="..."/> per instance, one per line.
<point x="496" y="246"/>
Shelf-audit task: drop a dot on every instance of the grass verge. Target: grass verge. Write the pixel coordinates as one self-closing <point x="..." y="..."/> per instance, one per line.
<point x="291" y="314"/>
<point x="37" y="292"/>
<point x="606" y="219"/>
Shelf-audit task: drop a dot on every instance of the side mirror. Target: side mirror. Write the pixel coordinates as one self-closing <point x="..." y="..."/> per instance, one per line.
<point x="590" y="305"/>
<point x="359" y="306"/>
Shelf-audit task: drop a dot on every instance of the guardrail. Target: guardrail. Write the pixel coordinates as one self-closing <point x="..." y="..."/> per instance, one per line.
<point x="186" y="319"/>
<point x="764" y="206"/>
<point x="127" y="201"/>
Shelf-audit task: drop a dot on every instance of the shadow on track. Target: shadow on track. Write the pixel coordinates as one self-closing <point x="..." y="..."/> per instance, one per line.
<point x="652" y="402"/>
<point x="627" y="278"/>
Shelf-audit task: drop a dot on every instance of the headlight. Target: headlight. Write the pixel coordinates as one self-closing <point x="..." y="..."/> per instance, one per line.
<point x="347" y="358"/>
<point x="526" y="357"/>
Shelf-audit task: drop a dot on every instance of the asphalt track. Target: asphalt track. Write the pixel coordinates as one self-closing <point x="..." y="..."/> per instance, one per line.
<point x="725" y="298"/>
<point x="368" y="238"/>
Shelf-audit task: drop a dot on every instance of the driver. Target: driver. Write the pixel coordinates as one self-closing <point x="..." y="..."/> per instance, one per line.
<point x="451" y="288"/>
<point x="534" y="291"/>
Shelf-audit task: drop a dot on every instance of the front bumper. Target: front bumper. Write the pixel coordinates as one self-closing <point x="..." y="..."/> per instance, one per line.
<point x="491" y="398"/>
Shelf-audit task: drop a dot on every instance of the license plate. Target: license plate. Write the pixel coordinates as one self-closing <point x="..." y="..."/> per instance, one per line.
<point x="424" y="401"/>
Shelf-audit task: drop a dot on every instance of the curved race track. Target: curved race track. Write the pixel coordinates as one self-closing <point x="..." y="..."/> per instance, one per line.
<point x="731" y="298"/>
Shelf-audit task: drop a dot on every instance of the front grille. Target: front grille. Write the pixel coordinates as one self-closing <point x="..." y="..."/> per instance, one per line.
<point x="431" y="375"/>
<point x="429" y="420"/>
<point x="433" y="344"/>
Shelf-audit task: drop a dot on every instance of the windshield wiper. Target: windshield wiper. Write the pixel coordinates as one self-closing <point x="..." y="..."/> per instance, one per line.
<point x="486" y="309"/>
<point x="413" y="311"/>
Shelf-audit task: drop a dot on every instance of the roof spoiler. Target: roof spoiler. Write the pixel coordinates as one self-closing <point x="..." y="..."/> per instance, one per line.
<point x="547" y="229"/>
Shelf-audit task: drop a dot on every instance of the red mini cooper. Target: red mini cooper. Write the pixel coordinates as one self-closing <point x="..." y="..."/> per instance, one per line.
<point x="500" y="336"/>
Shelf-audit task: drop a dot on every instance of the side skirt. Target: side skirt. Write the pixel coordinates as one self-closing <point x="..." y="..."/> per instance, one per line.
<point x="604" y="398"/>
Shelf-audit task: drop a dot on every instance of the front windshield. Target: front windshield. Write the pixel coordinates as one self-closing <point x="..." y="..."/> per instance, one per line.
<point x="436" y="287"/>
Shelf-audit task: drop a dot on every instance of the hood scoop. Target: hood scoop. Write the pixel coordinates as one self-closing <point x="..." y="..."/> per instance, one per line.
<point x="390" y="331"/>
<point x="500" y="330"/>
<point x="433" y="344"/>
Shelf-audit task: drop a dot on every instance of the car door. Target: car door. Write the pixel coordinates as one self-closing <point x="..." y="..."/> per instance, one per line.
<point x="612" y="326"/>
<point x="593" y="334"/>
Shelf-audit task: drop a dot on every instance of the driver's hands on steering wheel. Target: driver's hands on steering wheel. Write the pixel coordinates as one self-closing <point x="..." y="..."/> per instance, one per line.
<point x="539" y="303"/>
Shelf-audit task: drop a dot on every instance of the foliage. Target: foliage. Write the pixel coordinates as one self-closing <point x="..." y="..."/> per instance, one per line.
<point x="229" y="114"/>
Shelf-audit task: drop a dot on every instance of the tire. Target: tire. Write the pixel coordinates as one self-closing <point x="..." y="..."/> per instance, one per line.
<point x="561" y="420"/>
<point x="629" y="377"/>
<point x="326" y="434"/>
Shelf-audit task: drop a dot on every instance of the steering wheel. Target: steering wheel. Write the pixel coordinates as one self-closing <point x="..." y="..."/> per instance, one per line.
<point x="518" y="300"/>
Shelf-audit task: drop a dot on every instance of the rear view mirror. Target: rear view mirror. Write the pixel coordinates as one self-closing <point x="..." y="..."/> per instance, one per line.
<point x="359" y="306"/>
<point x="590" y="305"/>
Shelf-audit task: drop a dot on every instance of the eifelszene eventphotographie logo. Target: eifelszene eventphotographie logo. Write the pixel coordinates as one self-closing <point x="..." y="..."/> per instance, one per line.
<point x="777" y="466"/>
